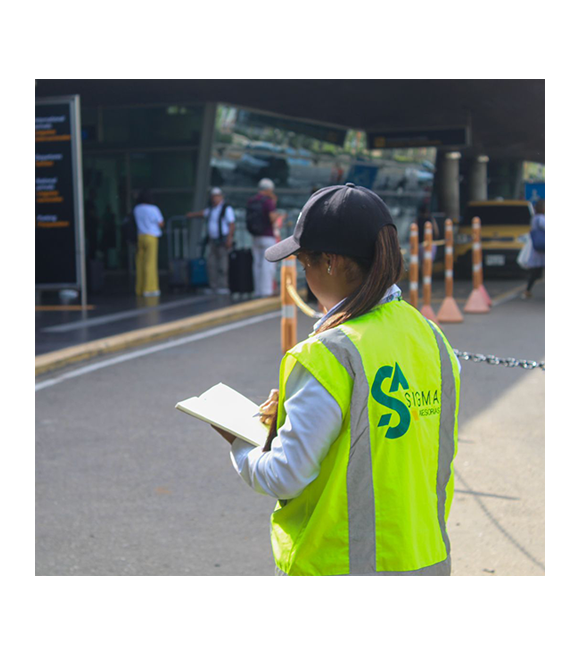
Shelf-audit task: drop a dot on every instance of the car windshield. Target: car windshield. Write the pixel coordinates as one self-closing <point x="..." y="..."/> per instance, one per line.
<point x="498" y="215"/>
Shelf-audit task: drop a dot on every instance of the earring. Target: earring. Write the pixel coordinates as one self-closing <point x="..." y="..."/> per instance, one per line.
<point x="328" y="269"/>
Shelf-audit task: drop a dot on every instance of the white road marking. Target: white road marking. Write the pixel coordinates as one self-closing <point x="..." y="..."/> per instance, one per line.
<point x="155" y="348"/>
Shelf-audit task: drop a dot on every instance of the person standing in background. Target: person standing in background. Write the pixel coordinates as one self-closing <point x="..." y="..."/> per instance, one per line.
<point x="261" y="215"/>
<point x="221" y="220"/>
<point x="149" y="223"/>
<point x="537" y="260"/>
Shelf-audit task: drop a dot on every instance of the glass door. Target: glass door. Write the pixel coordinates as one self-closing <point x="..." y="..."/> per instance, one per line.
<point x="107" y="201"/>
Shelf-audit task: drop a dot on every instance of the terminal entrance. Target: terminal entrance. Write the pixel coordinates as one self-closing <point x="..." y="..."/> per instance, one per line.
<point x="107" y="202"/>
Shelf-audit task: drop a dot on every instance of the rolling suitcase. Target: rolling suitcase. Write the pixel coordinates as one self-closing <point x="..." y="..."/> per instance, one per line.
<point x="240" y="273"/>
<point x="198" y="267"/>
<point x="198" y="272"/>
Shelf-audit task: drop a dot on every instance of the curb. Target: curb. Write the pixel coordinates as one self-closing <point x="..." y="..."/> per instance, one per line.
<point x="54" y="360"/>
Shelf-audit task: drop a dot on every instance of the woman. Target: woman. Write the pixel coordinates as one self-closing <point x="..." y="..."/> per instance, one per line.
<point x="149" y="223"/>
<point x="360" y="454"/>
<point x="262" y="208"/>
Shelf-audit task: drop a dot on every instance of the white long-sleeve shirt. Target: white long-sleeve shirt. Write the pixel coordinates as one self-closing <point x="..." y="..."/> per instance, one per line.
<point x="313" y="422"/>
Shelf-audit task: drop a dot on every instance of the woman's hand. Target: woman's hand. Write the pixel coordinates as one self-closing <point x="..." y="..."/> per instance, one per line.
<point x="269" y="408"/>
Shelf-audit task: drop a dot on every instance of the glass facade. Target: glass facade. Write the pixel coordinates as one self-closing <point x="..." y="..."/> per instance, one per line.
<point x="127" y="149"/>
<point x="301" y="157"/>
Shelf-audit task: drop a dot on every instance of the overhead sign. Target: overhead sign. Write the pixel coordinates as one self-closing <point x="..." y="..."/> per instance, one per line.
<point x="535" y="191"/>
<point x="416" y="137"/>
<point x="59" y="202"/>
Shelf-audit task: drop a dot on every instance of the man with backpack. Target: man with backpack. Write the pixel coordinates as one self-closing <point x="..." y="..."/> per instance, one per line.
<point x="221" y="219"/>
<point x="261" y="216"/>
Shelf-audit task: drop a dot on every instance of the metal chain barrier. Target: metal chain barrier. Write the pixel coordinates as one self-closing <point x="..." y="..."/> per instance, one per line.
<point x="509" y="362"/>
<point x="492" y="360"/>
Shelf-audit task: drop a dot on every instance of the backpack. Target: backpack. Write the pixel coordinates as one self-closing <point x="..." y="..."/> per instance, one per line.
<point x="257" y="222"/>
<point x="538" y="239"/>
<point x="221" y="216"/>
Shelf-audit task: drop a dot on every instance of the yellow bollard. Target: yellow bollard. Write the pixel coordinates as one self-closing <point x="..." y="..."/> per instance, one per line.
<point x="449" y="312"/>
<point x="288" y="321"/>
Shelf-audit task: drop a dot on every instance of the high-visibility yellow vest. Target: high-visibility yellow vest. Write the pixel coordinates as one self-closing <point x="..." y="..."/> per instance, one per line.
<point x="382" y="497"/>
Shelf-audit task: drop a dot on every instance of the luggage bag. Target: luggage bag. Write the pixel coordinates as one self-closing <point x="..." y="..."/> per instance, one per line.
<point x="240" y="273"/>
<point x="198" y="272"/>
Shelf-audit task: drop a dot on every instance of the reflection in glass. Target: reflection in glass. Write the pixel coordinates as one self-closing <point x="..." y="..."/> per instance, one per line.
<point x="301" y="157"/>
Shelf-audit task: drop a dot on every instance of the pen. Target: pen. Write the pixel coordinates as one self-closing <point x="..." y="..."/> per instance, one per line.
<point x="256" y="414"/>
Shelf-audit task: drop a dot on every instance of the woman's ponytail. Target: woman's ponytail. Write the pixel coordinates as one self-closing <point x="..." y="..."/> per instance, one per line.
<point x="385" y="270"/>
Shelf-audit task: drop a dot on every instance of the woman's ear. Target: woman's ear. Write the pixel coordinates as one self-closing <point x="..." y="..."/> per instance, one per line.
<point x="330" y="262"/>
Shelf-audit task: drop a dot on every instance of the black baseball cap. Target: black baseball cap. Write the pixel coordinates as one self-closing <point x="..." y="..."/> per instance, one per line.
<point x="341" y="219"/>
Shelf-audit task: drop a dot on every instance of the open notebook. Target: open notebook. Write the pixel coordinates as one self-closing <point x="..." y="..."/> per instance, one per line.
<point x="228" y="410"/>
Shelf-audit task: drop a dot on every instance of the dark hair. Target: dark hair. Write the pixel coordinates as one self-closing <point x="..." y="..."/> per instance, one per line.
<point x="377" y="275"/>
<point x="145" y="196"/>
<point x="540" y="207"/>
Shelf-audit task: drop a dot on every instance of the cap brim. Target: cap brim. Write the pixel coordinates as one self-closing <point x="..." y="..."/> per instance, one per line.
<point x="282" y="249"/>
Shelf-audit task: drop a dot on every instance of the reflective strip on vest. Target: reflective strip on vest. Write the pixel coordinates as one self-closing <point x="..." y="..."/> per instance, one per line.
<point x="359" y="477"/>
<point x="446" y="431"/>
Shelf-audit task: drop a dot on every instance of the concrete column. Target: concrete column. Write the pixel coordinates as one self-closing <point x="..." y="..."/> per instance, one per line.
<point x="478" y="179"/>
<point x="203" y="175"/>
<point x="449" y="184"/>
<point x="204" y="157"/>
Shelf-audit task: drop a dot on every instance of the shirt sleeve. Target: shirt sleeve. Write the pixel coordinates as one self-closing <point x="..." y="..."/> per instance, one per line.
<point x="313" y="422"/>
<point x="230" y="215"/>
<point x="158" y="215"/>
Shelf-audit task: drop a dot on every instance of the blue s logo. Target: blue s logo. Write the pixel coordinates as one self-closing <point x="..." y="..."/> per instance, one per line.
<point x="398" y="379"/>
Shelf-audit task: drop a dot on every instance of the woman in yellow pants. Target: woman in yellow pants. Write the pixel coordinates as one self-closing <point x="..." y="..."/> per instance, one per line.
<point x="147" y="283"/>
<point x="149" y="223"/>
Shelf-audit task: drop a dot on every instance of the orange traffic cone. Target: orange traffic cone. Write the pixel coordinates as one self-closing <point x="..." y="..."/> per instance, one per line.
<point x="449" y="312"/>
<point x="427" y="310"/>
<point x="484" y="292"/>
<point x="414" y="266"/>
<point x="477" y="303"/>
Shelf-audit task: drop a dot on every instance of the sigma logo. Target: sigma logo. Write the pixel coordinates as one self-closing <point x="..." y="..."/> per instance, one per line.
<point x="416" y="403"/>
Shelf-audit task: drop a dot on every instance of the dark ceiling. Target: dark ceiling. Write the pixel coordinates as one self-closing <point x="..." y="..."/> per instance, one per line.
<point x="506" y="115"/>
